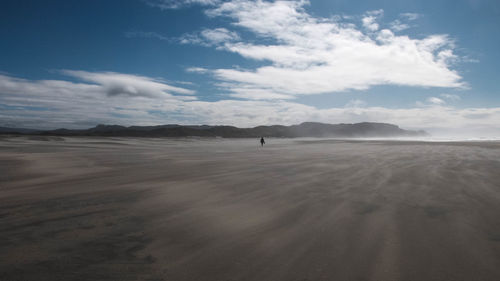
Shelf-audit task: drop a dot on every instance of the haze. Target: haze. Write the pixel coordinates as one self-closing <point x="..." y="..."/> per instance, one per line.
<point x="384" y="164"/>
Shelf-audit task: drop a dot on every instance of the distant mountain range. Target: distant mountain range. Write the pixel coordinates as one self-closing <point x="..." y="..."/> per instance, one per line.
<point x="7" y="130"/>
<point x="307" y="129"/>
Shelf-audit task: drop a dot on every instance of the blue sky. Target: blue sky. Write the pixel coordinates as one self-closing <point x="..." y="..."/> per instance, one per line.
<point x="418" y="64"/>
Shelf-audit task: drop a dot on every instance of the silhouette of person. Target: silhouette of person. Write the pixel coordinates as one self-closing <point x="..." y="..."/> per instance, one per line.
<point x="262" y="142"/>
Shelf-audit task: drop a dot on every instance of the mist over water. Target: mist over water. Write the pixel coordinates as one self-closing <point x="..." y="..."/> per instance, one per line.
<point x="463" y="134"/>
<point x="448" y="135"/>
<point x="439" y="138"/>
<point x="432" y="138"/>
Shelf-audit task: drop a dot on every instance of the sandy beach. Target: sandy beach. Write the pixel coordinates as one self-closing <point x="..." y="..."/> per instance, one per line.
<point x="220" y="209"/>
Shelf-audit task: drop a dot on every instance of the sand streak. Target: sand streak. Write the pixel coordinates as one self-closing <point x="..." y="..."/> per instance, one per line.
<point x="187" y="209"/>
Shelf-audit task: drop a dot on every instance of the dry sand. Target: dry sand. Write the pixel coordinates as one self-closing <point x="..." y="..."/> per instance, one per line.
<point x="187" y="209"/>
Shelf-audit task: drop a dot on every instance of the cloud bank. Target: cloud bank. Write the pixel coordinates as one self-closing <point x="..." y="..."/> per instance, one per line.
<point x="146" y="101"/>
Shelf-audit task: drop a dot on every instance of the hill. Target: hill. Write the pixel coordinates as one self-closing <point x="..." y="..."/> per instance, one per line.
<point x="307" y="129"/>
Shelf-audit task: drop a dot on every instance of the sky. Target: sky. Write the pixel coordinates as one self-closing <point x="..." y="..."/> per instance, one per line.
<point x="428" y="65"/>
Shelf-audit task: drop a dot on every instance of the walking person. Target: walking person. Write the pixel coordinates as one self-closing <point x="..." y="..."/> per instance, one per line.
<point x="262" y="142"/>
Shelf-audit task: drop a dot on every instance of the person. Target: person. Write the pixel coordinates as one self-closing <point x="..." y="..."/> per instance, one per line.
<point x="262" y="142"/>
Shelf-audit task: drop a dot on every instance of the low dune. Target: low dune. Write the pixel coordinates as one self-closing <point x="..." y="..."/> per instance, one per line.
<point x="216" y="209"/>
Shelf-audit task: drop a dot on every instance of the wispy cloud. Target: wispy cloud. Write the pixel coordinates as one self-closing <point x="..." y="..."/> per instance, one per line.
<point x="403" y="22"/>
<point x="146" y="34"/>
<point x="451" y="97"/>
<point x="442" y="100"/>
<point x="298" y="54"/>
<point x="206" y="37"/>
<point x="436" y="100"/>
<point x="370" y="19"/>
<point x="176" y="4"/>
<point x="210" y="37"/>
<point x="102" y="97"/>
<point x="355" y="103"/>
<point x="197" y="70"/>
<point x="397" y="25"/>
<point x="410" y="16"/>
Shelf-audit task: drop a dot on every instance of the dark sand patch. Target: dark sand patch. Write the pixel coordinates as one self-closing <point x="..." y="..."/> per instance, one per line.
<point x="494" y="237"/>
<point x="434" y="212"/>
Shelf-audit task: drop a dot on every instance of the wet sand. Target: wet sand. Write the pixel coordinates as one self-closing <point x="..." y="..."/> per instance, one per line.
<point x="187" y="209"/>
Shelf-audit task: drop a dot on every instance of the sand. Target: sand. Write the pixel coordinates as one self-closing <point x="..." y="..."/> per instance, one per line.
<point x="217" y="209"/>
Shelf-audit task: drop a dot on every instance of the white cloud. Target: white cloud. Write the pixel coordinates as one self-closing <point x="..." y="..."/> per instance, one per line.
<point x="219" y="35"/>
<point x="431" y="102"/>
<point x="370" y="18"/>
<point x="304" y="54"/>
<point x="397" y="25"/>
<point x="59" y="103"/>
<point x="197" y="70"/>
<point x="146" y="34"/>
<point x="355" y="103"/>
<point x="402" y="23"/>
<point x="376" y="13"/>
<point x="451" y="97"/>
<point x="369" y="23"/>
<point x="256" y="94"/>
<point x="410" y="16"/>
<point x="114" y="84"/>
<point x="176" y="4"/>
<point x="192" y="38"/>
<point x="435" y="100"/>
<point x="209" y="37"/>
